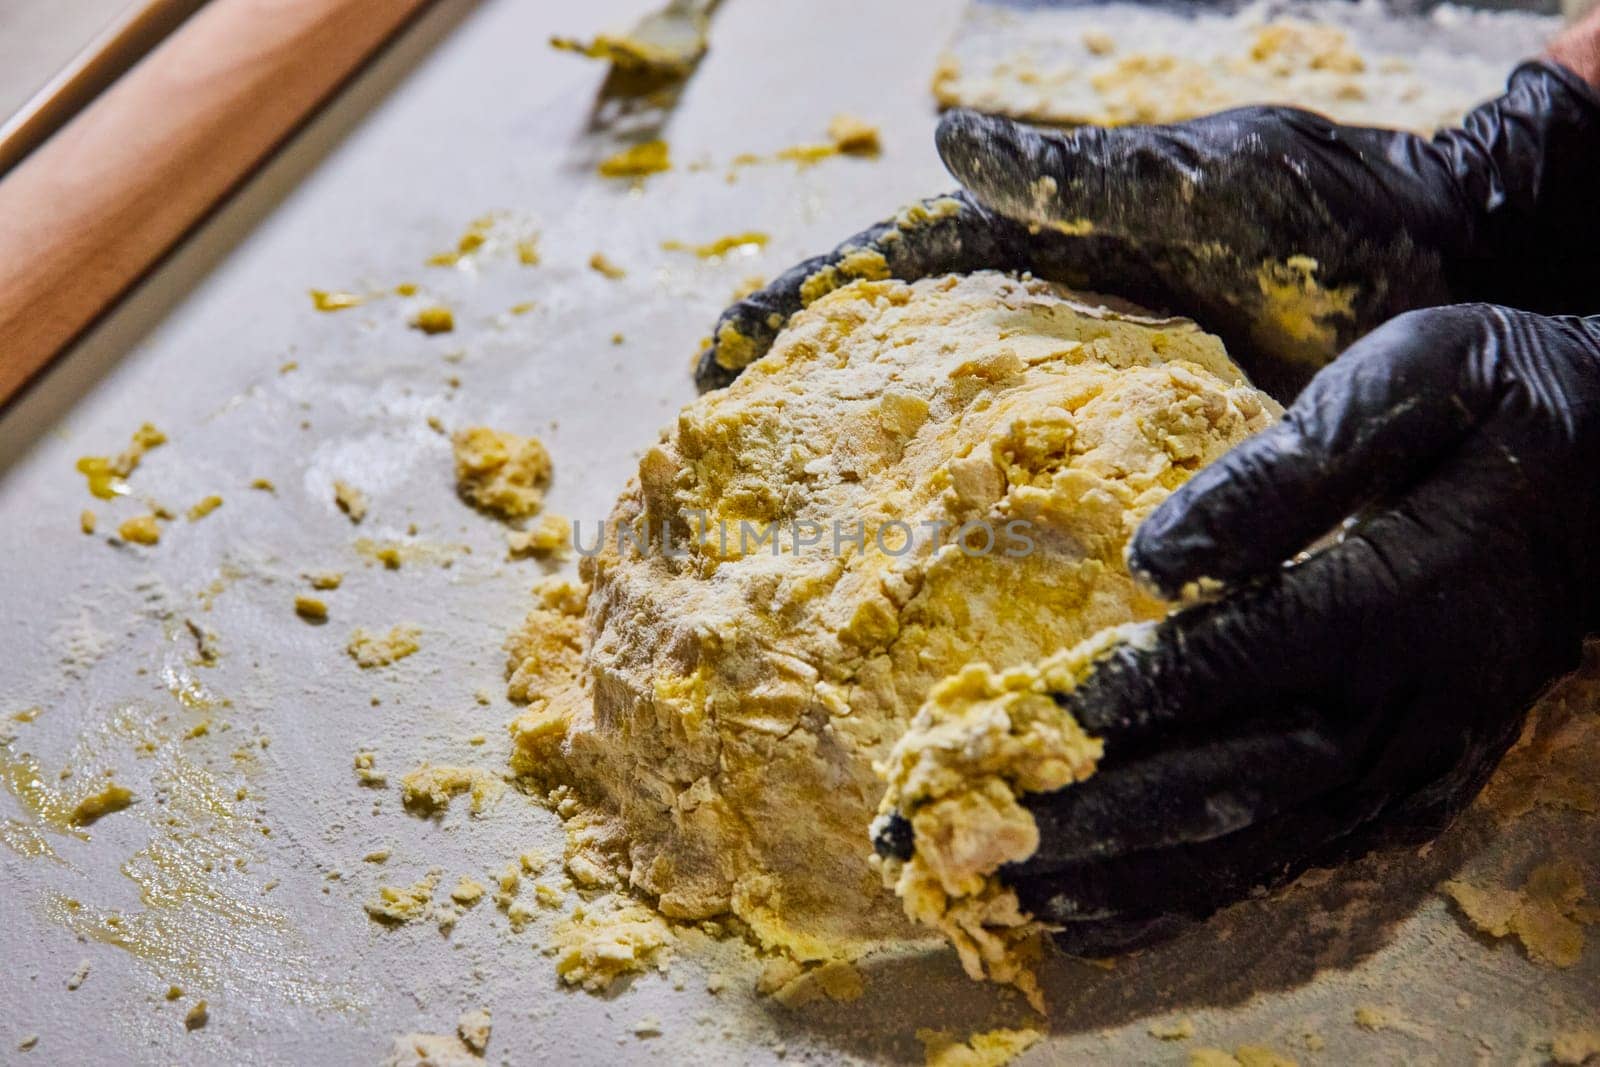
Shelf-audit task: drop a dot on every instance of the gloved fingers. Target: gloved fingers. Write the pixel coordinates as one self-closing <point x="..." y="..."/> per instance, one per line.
<point x="1384" y="414"/>
<point x="1085" y="180"/>
<point x="1185" y="795"/>
<point x="946" y="234"/>
<point x="1119" y="894"/>
<point x="1217" y="666"/>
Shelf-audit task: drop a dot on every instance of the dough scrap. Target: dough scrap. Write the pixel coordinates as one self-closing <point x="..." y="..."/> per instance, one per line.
<point x="599" y="943"/>
<point x="429" y="788"/>
<point x="380" y="650"/>
<point x="1547" y="914"/>
<point x="709" y="727"/>
<point x="403" y="904"/>
<point x="989" y="1049"/>
<point x="501" y="473"/>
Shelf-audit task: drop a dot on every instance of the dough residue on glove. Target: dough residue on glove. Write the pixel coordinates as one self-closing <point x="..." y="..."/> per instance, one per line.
<point x="710" y="729"/>
<point x="982" y="739"/>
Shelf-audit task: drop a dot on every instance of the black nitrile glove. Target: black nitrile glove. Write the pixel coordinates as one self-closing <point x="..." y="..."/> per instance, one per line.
<point x="1360" y="698"/>
<point x="1229" y="218"/>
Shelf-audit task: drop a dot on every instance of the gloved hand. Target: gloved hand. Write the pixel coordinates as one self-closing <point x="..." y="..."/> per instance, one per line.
<point x="1286" y="234"/>
<point x="1359" y="698"/>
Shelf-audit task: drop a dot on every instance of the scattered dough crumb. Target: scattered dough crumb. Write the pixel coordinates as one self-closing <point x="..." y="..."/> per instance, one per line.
<point x="86" y="521"/>
<point x="366" y="769"/>
<point x="504" y="474"/>
<point x="467" y="891"/>
<point x="853" y="136"/>
<point x="749" y="241"/>
<point x="1243" y="1056"/>
<point x="351" y="501"/>
<point x="431" y="1050"/>
<point x="1174" y="1030"/>
<point x="550" y="536"/>
<point x="204" y="507"/>
<point x="1099" y="43"/>
<point x="429" y="788"/>
<point x="403" y="904"/>
<point x="473" y="1026"/>
<point x="325" y="580"/>
<point x="835" y="979"/>
<point x="600" y="942"/>
<point x="648" y="157"/>
<point x="140" y="530"/>
<point x="1547" y="914"/>
<point x="310" y="608"/>
<point x="106" y="475"/>
<point x="78" y="976"/>
<point x="99" y="804"/>
<point x="326" y="300"/>
<point x="197" y="1016"/>
<point x="647" y="1026"/>
<point x="373" y="650"/>
<point x="599" y="262"/>
<point x="989" y="1049"/>
<point x="432" y="320"/>
<point x="1575" y="1047"/>
<point x="27" y="1043"/>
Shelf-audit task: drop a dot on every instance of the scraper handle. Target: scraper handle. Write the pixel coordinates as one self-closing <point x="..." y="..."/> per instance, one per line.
<point x="94" y="208"/>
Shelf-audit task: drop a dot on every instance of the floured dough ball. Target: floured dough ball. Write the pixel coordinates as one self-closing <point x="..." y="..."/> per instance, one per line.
<point x="997" y="443"/>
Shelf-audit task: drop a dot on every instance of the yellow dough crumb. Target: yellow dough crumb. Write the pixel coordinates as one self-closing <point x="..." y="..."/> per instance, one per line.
<point x="325" y="580"/>
<point x="380" y="650"/>
<point x="1099" y="43"/>
<point x="501" y="473"/>
<point x="989" y="1049"/>
<point x="474" y="1028"/>
<point x="854" y="136"/>
<point x="467" y="891"/>
<point x="107" y="475"/>
<point x="750" y="241"/>
<point x="1572" y="1048"/>
<point x="204" y="507"/>
<point x="366" y="764"/>
<point x="1547" y="914"/>
<point x="429" y="787"/>
<point x="1243" y="1056"/>
<point x="550" y="536"/>
<point x="310" y="608"/>
<point x="600" y="942"/>
<point x="836" y="980"/>
<point x="601" y="264"/>
<point x="334" y="300"/>
<point x="197" y="1016"/>
<point x="351" y="501"/>
<point x="724" y="677"/>
<point x="86" y="521"/>
<point x="433" y="320"/>
<point x="99" y="804"/>
<point x="638" y="161"/>
<point x="1176" y="1030"/>
<point x="403" y="904"/>
<point x="140" y="530"/>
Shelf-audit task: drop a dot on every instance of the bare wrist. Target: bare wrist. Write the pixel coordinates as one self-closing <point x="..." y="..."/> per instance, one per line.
<point x="1578" y="48"/>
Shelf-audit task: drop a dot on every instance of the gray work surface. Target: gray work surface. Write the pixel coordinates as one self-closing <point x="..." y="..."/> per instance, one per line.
<point x="472" y="113"/>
